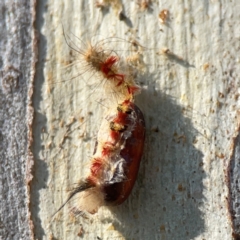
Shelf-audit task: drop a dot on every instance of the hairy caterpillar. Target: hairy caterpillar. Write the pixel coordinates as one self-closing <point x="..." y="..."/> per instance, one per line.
<point x="119" y="147"/>
<point x="114" y="165"/>
<point x="106" y="66"/>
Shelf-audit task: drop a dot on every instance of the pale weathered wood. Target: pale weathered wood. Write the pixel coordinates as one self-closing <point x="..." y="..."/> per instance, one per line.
<point x="189" y="100"/>
<point x="234" y="188"/>
<point x="17" y="63"/>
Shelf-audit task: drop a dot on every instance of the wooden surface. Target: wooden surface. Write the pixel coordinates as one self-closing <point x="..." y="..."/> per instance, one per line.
<point x="17" y="62"/>
<point x="234" y="189"/>
<point x="190" y="100"/>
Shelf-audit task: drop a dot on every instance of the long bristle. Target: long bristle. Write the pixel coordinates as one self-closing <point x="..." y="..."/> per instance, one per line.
<point x="108" y="168"/>
<point x="118" y="77"/>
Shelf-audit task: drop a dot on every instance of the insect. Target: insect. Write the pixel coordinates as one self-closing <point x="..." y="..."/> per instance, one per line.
<point x="104" y="67"/>
<point x="115" y="162"/>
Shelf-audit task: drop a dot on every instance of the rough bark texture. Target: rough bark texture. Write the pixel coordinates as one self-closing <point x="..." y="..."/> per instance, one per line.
<point x="234" y="188"/>
<point x="190" y="101"/>
<point x="17" y="61"/>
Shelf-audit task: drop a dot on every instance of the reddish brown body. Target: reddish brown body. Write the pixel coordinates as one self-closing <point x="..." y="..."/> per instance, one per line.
<point x="115" y="163"/>
<point x="117" y="193"/>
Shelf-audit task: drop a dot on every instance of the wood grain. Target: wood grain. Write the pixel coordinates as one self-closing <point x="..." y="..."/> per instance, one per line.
<point x="189" y="100"/>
